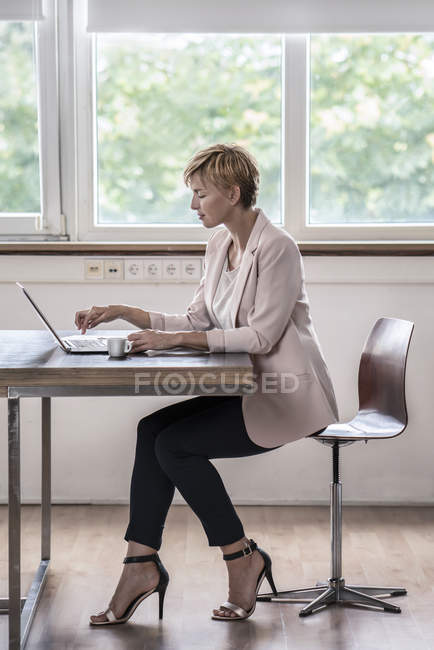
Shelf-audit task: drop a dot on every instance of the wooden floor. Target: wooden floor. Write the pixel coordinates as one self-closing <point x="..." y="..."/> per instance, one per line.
<point x="387" y="546"/>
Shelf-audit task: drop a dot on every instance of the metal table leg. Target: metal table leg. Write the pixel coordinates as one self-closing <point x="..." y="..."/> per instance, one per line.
<point x="35" y="591"/>
<point x="14" y="604"/>
<point x="46" y="479"/>
<point x="22" y="610"/>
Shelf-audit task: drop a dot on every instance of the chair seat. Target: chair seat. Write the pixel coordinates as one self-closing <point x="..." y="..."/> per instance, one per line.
<point x="367" y="425"/>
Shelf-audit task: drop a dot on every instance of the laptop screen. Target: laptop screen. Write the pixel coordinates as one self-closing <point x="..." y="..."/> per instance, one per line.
<point x="42" y="317"/>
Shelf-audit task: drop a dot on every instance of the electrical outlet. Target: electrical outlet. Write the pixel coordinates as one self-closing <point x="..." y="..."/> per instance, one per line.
<point x="113" y="269"/>
<point x="93" y="269"/>
<point x="152" y="269"/>
<point x="133" y="269"/>
<point x="172" y="269"/>
<point x="191" y="268"/>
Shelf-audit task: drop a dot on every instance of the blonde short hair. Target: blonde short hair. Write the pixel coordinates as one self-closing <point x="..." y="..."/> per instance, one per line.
<point x="227" y="165"/>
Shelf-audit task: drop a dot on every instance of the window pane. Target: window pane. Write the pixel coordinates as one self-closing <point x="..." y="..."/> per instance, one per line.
<point x="160" y="98"/>
<point x="372" y="129"/>
<point x="19" y="146"/>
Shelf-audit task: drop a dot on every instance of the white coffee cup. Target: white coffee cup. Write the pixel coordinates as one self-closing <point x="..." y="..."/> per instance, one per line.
<point x="118" y="347"/>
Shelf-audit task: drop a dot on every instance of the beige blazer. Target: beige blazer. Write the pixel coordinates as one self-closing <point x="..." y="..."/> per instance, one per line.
<point x="293" y="394"/>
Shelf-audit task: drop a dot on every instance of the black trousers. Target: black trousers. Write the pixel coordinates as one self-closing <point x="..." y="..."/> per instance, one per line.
<point x="174" y="448"/>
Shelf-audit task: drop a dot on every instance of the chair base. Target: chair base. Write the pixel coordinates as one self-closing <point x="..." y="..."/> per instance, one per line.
<point x="334" y="591"/>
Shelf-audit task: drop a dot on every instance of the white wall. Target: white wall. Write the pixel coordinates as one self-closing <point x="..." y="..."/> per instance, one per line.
<point x="94" y="438"/>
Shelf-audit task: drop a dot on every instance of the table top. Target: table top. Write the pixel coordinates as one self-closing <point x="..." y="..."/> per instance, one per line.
<point x="34" y="358"/>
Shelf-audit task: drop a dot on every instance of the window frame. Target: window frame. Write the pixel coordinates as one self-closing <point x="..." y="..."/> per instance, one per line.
<point x="49" y="223"/>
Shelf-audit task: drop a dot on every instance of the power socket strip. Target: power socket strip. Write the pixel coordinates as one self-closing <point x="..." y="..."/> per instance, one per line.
<point x="149" y="269"/>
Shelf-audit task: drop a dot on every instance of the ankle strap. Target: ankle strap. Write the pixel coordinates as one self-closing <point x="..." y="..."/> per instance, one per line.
<point x="153" y="557"/>
<point x="248" y="550"/>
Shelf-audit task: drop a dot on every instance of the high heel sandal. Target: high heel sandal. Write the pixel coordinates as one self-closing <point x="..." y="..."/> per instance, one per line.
<point x="160" y="588"/>
<point x="265" y="573"/>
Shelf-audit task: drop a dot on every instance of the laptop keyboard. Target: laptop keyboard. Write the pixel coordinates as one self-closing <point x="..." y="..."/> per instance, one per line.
<point x="89" y="344"/>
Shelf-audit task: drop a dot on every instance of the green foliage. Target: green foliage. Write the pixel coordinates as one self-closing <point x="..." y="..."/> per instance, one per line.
<point x="372" y="129"/>
<point x="160" y="99"/>
<point x="19" y="147"/>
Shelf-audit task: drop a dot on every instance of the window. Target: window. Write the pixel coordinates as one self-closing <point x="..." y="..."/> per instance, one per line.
<point x="371" y="129"/>
<point x="340" y="123"/>
<point x="29" y="143"/>
<point x="359" y="155"/>
<point x="19" y="146"/>
<point x="160" y="98"/>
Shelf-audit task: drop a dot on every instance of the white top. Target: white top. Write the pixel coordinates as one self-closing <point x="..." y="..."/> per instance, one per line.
<point x="222" y="299"/>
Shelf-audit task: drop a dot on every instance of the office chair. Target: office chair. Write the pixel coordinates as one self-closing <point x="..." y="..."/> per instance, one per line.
<point x="382" y="414"/>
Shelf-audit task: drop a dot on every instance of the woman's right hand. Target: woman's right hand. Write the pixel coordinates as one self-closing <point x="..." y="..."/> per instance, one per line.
<point x="88" y="318"/>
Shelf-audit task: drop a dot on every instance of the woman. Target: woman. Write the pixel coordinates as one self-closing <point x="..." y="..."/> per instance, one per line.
<point x="250" y="299"/>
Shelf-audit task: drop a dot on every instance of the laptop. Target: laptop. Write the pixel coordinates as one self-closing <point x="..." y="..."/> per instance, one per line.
<point x="76" y="343"/>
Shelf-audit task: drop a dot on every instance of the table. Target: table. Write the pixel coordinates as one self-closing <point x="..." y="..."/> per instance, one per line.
<point x="32" y="364"/>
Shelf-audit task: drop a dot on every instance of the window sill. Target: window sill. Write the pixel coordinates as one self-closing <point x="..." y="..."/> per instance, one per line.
<point x="367" y="248"/>
<point x="100" y="248"/>
<point x="385" y="248"/>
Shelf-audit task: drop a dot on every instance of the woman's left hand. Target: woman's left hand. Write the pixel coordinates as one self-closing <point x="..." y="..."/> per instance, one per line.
<point x="152" y="340"/>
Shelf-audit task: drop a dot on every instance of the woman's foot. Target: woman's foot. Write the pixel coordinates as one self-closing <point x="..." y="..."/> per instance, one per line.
<point x="243" y="575"/>
<point x="136" y="578"/>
